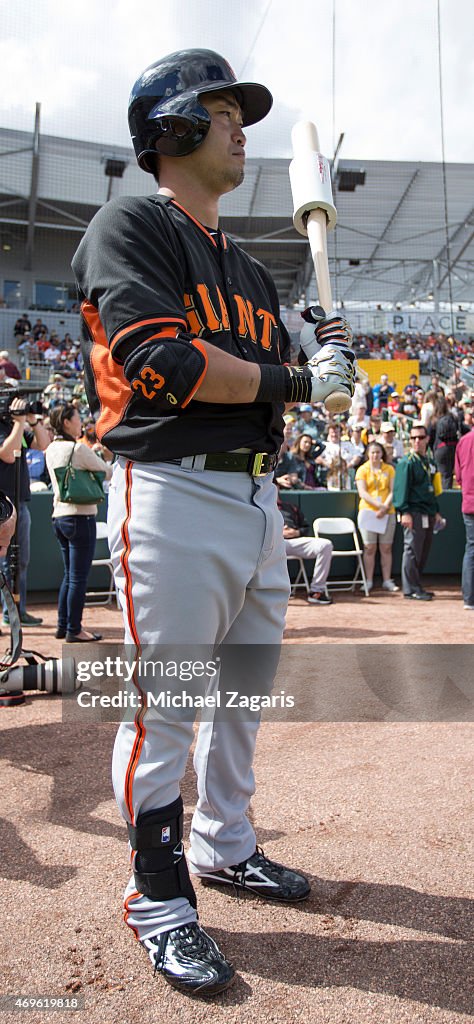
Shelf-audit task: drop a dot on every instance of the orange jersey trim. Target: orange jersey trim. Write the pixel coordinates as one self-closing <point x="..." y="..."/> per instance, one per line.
<point x="144" y="323"/>
<point x="140" y="732"/>
<point x="198" y="344"/>
<point x="197" y="222"/>
<point x="133" y="896"/>
<point x="161" y="334"/>
<point x="112" y="388"/>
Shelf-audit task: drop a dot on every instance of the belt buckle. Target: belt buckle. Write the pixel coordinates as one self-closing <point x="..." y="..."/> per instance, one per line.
<point x="257" y="464"/>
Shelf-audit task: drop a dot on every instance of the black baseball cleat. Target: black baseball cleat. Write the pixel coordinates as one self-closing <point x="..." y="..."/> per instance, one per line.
<point x="190" y="960"/>
<point x="262" y="877"/>
<point x="420" y="595"/>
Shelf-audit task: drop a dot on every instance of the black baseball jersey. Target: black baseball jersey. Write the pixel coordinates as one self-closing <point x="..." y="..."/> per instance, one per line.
<point x="147" y="269"/>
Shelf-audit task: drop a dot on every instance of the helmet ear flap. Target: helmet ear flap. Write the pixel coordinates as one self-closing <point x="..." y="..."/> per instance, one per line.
<point x="174" y="135"/>
<point x="175" y="131"/>
<point x="177" y="126"/>
<point x="178" y="135"/>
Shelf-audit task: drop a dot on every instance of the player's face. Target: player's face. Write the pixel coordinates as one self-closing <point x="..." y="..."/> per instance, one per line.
<point x="221" y="157"/>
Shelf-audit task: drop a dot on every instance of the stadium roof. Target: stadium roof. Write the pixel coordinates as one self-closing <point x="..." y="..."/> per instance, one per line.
<point x="390" y="245"/>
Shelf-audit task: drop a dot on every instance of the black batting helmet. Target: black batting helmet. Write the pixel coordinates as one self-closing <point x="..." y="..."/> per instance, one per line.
<point x="164" y="112"/>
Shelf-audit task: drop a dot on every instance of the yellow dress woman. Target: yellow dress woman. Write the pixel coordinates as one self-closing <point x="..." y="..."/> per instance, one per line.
<point x="376" y="517"/>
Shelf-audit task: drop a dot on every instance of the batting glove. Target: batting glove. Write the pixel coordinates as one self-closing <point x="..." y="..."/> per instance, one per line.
<point x="319" y="330"/>
<point x="332" y="369"/>
<point x="326" y="337"/>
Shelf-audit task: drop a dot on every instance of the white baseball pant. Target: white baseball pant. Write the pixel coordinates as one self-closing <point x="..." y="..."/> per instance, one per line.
<point x="199" y="559"/>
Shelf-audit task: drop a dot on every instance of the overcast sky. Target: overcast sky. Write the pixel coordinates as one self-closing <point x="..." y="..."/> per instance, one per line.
<point x="81" y="59"/>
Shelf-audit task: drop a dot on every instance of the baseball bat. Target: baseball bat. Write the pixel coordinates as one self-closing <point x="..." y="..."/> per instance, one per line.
<point x="314" y="215"/>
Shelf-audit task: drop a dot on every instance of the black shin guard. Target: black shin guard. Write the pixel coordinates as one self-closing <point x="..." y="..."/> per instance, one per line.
<point x="161" y="871"/>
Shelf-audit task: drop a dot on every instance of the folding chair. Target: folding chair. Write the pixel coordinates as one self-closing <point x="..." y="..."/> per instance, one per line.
<point x="301" y="578"/>
<point x="340" y="526"/>
<point x="106" y="596"/>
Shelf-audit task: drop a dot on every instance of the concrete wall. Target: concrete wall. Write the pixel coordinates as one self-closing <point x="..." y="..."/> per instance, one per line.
<point x="53" y="252"/>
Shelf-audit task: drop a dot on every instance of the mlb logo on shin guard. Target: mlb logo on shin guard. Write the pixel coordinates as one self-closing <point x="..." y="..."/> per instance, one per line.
<point x="166" y="834"/>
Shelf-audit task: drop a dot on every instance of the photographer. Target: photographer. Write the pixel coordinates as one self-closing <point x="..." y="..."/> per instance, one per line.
<point x="20" y="429"/>
<point x="7" y="523"/>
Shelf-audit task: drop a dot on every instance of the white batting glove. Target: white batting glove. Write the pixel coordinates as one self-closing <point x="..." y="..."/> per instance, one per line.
<point x="332" y="369"/>
<point x="320" y="331"/>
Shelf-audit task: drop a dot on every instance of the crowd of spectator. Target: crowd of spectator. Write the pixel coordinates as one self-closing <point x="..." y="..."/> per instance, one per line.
<point x="416" y="428"/>
<point x="319" y="452"/>
<point x="39" y="347"/>
<point x="430" y="350"/>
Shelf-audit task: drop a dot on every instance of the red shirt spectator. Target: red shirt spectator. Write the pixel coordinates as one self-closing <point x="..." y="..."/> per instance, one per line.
<point x="464" y="470"/>
<point x="11" y="369"/>
<point x="43" y="343"/>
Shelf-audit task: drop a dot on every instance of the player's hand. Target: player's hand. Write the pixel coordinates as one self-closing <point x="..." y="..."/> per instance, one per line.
<point x="332" y="369"/>
<point x="320" y="329"/>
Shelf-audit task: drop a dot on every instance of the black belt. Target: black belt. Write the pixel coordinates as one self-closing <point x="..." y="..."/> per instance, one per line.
<point x="253" y="463"/>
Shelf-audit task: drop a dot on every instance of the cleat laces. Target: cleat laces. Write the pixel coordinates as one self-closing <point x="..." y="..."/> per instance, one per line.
<point x="193" y="938"/>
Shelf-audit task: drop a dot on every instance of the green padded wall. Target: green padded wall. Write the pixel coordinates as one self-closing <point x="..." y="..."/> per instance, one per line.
<point x="45" y="571"/>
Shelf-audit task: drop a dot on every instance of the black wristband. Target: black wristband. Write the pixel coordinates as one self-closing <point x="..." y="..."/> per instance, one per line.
<point x="284" y="384"/>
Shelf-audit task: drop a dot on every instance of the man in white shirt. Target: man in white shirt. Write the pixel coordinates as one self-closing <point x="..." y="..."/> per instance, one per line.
<point x="392" y="444"/>
<point x="358" y="416"/>
<point x="335" y="447"/>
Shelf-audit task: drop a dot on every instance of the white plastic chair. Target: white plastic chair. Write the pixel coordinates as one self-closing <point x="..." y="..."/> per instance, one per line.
<point x="105" y="596"/>
<point x="301" y="578"/>
<point x="340" y="526"/>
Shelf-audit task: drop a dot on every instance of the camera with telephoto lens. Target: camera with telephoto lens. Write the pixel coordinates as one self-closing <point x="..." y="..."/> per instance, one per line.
<point x="53" y="676"/>
<point x="9" y="392"/>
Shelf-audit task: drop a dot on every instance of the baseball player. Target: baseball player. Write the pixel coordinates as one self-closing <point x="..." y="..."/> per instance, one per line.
<point x="185" y="357"/>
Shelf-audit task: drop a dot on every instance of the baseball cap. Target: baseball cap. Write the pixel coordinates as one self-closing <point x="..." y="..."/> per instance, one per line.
<point x="386" y="427"/>
<point x="306" y="408"/>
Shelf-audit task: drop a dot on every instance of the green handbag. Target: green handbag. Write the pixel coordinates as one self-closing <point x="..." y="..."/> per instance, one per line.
<point x="79" y="486"/>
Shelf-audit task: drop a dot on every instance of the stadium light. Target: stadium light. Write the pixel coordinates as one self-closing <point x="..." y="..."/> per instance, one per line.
<point x="114" y="167"/>
<point x="348" y="179"/>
